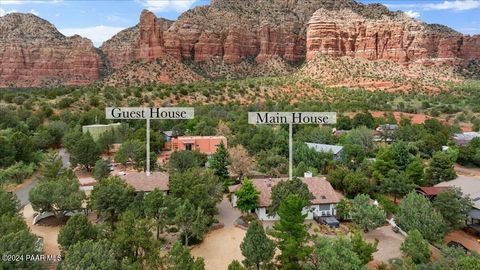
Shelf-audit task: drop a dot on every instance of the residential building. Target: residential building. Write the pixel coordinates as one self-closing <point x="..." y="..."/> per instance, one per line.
<point x="431" y="192"/>
<point x="465" y="137"/>
<point x="323" y="203"/>
<point x="336" y="150"/>
<point x="97" y="130"/>
<point x="469" y="186"/>
<point x="204" y="144"/>
<point x="143" y="182"/>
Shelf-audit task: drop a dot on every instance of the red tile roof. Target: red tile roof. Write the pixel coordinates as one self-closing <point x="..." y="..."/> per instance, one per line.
<point x="140" y="181"/>
<point x="318" y="186"/>
<point x="432" y="191"/>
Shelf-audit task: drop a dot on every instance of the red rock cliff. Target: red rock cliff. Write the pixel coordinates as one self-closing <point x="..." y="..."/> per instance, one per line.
<point x="399" y="38"/>
<point x="34" y="53"/>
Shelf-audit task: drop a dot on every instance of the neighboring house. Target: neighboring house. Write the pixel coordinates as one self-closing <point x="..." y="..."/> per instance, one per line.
<point x="97" y="130"/>
<point x="431" y="192"/>
<point x="386" y="127"/>
<point x="142" y="182"/>
<point x="465" y="137"/>
<point x="87" y="183"/>
<point x="336" y="150"/>
<point x="385" y="133"/>
<point x="469" y="186"/>
<point x="167" y="135"/>
<point x="204" y="144"/>
<point x="323" y="204"/>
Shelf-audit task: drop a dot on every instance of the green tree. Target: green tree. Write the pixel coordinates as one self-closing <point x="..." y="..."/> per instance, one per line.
<point x="415" y="172"/>
<point x="235" y="265"/>
<point x="71" y="138"/>
<point x="353" y="155"/>
<point x="182" y="161"/>
<point x="440" y="169"/>
<point x="220" y="161"/>
<point x="10" y="204"/>
<point x="401" y="155"/>
<point x="160" y="208"/>
<point x="289" y="187"/>
<point x="396" y="184"/>
<point x="179" y="258"/>
<point x="201" y="187"/>
<point x="256" y="247"/>
<point x="59" y="196"/>
<point x="105" y="141"/>
<point x="12" y="224"/>
<point x="363" y="249"/>
<point x="20" y="243"/>
<point x="334" y="254"/>
<point x="85" y="152"/>
<point x="111" y="197"/>
<point x="77" y="229"/>
<point x="361" y="136"/>
<point x="90" y="255"/>
<point x="51" y="167"/>
<point x="365" y="215"/>
<point x="133" y="240"/>
<point x="247" y="196"/>
<point x="344" y="207"/>
<point x="416" y="212"/>
<point x="291" y="232"/>
<point x="191" y="221"/>
<point x="416" y="247"/>
<point x="101" y="169"/>
<point x="132" y="151"/>
<point x="454" y="207"/>
<point x="356" y="183"/>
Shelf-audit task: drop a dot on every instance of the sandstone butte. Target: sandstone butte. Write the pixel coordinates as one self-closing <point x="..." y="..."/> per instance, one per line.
<point x="34" y="53"/>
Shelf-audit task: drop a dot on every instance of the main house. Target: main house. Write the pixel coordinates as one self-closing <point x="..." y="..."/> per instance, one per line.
<point x="143" y="182"/>
<point x="323" y="204"/>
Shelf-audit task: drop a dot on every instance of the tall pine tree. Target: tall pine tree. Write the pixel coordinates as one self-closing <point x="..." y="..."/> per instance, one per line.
<point x="257" y="248"/>
<point x="220" y="161"/>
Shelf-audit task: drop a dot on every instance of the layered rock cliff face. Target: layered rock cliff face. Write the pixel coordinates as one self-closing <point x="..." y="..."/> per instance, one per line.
<point x="396" y="38"/>
<point x="229" y="30"/>
<point x="34" y="53"/>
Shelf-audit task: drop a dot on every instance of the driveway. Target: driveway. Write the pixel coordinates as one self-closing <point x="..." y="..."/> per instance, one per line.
<point x="389" y="243"/>
<point x="220" y="247"/>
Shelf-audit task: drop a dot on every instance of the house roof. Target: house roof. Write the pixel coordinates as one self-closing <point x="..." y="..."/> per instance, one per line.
<point x="169" y="133"/>
<point x="87" y="181"/>
<point x="468" y="185"/>
<point x="140" y="181"/>
<point x="466" y="135"/>
<point x="335" y="149"/>
<point x="320" y="188"/>
<point x="432" y="191"/>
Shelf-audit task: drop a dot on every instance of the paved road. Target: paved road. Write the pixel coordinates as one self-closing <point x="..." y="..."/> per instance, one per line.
<point x="226" y="213"/>
<point x="22" y="193"/>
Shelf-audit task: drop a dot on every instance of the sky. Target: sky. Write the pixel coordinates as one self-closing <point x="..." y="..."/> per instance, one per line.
<point x="99" y="20"/>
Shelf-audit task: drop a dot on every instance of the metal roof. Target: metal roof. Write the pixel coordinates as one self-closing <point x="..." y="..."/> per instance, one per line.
<point x="335" y="149"/>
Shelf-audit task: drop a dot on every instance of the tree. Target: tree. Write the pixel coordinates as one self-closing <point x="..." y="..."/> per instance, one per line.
<point x="10" y="204"/>
<point x="291" y="232"/>
<point x="361" y="136"/>
<point x="182" y="161"/>
<point x="132" y="151"/>
<point x="242" y="164"/>
<point x="440" y="169"/>
<point x="353" y="155"/>
<point x="59" y="195"/>
<point x="416" y="212"/>
<point x="105" y="141"/>
<point x="12" y="224"/>
<point x="395" y="183"/>
<point x="414" y="172"/>
<point x="160" y="208"/>
<point x="133" y="240"/>
<point x="51" y="167"/>
<point x="334" y="254"/>
<point x="247" y="196"/>
<point x="219" y="162"/>
<point x="90" y="255"/>
<point x="77" y="229"/>
<point x="356" y="183"/>
<point x="71" y="138"/>
<point x="111" y="197"/>
<point x="201" y="187"/>
<point x="416" y="247"/>
<point x="363" y="249"/>
<point x="85" y="152"/>
<point x="272" y="162"/>
<point x="454" y="207"/>
<point x="256" y="247"/>
<point x="191" y="221"/>
<point x="178" y="258"/>
<point x="344" y="207"/>
<point x="401" y="155"/>
<point x="365" y="215"/>
<point x="289" y="187"/>
<point x="20" y="243"/>
<point x="101" y="169"/>
<point x="235" y="265"/>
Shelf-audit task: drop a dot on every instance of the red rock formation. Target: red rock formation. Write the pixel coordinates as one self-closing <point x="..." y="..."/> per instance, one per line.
<point x="400" y="39"/>
<point x="151" y="43"/>
<point x="33" y="53"/>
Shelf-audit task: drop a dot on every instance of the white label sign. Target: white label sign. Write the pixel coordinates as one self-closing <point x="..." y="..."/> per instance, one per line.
<point x="277" y="118"/>
<point x="149" y="113"/>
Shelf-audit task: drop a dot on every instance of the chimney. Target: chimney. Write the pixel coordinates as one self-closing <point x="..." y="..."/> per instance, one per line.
<point x="307" y="174"/>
